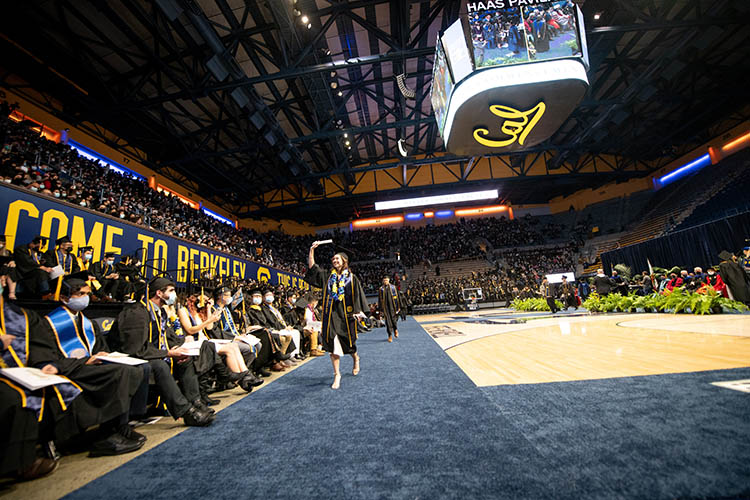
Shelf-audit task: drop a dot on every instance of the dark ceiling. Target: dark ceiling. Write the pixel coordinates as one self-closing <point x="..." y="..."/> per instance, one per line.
<point x="233" y="98"/>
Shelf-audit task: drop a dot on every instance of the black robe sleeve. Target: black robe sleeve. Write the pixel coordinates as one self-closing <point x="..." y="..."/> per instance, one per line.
<point x="25" y="263"/>
<point x="360" y="299"/>
<point x="316" y="276"/>
<point x="130" y="334"/>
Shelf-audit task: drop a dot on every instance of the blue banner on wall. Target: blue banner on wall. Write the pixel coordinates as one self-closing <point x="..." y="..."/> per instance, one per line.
<point x="26" y="215"/>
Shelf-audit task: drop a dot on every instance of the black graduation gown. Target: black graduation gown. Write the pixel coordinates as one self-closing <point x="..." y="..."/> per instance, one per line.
<point x="737" y="280"/>
<point x="389" y="307"/>
<point x="19" y="431"/>
<point x="269" y="345"/>
<point x="27" y="270"/>
<point x="338" y="318"/>
<point x="107" y="388"/>
<point x="603" y="285"/>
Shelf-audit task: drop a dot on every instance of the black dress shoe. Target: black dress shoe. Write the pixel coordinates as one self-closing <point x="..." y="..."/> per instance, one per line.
<point x="282" y="357"/>
<point x="116" y="444"/>
<point x="203" y="407"/>
<point x="264" y="373"/>
<point x="131" y="434"/>
<point x="210" y="401"/>
<point x="246" y="385"/>
<point x="236" y="377"/>
<point x="197" y="417"/>
<point x="255" y="381"/>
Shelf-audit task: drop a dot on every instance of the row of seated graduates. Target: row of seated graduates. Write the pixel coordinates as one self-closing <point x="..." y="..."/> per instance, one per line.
<point x="111" y="395"/>
<point x="113" y="278"/>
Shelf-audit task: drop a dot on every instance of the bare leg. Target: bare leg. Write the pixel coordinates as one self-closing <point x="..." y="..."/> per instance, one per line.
<point x="355" y="369"/>
<point x="11" y="289"/>
<point x="335" y="360"/>
<point x="235" y="363"/>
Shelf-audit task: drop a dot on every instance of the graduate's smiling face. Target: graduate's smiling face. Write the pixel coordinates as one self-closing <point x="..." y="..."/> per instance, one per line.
<point x="337" y="262"/>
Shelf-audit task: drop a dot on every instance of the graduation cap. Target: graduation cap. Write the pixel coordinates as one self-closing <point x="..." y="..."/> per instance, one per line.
<point x="73" y="282"/>
<point x="221" y="289"/>
<point x="160" y="283"/>
<point x="40" y="239"/>
<point x="302" y="302"/>
<point x="724" y="255"/>
<point x="269" y="289"/>
<point x="110" y="254"/>
<point x="64" y="239"/>
<point x="255" y="290"/>
<point x="85" y="249"/>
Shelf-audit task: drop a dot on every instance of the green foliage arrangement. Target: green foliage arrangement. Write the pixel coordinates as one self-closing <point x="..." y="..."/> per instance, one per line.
<point x="705" y="301"/>
<point x="535" y="304"/>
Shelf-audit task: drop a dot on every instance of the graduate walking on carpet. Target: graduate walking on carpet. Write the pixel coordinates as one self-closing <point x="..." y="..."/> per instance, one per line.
<point x="344" y="302"/>
<point x="390" y="306"/>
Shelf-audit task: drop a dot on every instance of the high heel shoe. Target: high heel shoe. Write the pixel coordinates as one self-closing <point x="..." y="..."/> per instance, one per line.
<point x="336" y="381"/>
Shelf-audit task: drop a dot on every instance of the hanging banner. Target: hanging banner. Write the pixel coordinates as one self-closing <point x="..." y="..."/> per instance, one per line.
<point x="25" y="215"/>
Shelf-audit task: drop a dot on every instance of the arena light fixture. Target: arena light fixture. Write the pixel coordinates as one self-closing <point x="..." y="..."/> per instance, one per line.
<point x="340" y="93"/>
<point x="414" y="216"/>
<point x="401" y="149"/>
<point x="481" y="210"/>
<point x="429" y="215"/>
<point x="305" y="19"/>
<point x="216" y="216"/>
<point x="436" y="200"/>
<point x="737" y="141"/>
<point x="378" y="222"/>
<point x="443" y="213"/>
<point x="696" y="164"/>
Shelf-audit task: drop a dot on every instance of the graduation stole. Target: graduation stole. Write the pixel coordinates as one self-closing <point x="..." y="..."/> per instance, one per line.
<point x="16" y="355"/>
<point x="34" y="255"/>
<point x="67" y="261"/>
<point x="277" y="314"/>
<point x="227" y="321"/>
<point x="107" y="269"/>
<point x="72" y="342"/>
<point x="345" y="295"/>
<point x="156" y="318"/>
<point x="337" y="284"/>
<point x="84" y="266"/>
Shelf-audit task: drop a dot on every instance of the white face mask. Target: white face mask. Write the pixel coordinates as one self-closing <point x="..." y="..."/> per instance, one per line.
<point x="257" y="301"/>
<point x="110" y="262"/>
<point x="269" y="299"/>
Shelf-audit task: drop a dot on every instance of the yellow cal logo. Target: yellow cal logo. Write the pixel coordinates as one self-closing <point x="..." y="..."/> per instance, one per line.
<point x="107" y="324"/>
<point x="517" y="125"/>
<point x="264" y="275"/>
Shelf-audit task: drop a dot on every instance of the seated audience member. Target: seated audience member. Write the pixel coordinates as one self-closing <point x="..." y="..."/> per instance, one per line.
<point x="647" y="285"/>
<point x="105" y="273"/>
<point x="257" y="321"/>
<point x="68" y="343"/>
<point x="275" y="321"/>
<point x="313" y="325"/>
<point x="713" y="279"/>
<point x="31" y="271"/>
<point x="674" y="282"/>
<point x="142" y="331"/>
<point x="197" y="319"/>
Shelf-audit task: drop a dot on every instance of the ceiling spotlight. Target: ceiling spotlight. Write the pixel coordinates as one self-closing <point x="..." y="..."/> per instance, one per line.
<point x="296" y="12"/>
<point x="334" y="85"/>
<point x="347" y="143"/>
<point x="305" y="19"/>
<point x="346" y="135"/>
<point x="597" y="16"/>
<point x="340" y="93"/>
<point x="401" y="148"/>
<point x="339" y="122"/>
<point x="309" y="26"/>
<point x="326" y="52"/>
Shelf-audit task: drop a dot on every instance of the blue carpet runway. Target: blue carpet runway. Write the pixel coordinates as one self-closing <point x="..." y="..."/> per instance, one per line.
<point x="412" y="425"/>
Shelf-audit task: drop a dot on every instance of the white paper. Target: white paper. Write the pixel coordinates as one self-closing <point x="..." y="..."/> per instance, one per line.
<point x="32" y="378"/>
<point x="56" y="272"/>
<point x="192" y="348"/>
<point x="220" y="341"/>
<point x="324" y="242"/>
<point x="249" y="339"/>
<point x="121" y="359"/>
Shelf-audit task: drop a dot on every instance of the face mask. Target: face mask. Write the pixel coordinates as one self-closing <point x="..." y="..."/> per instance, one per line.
<point x="171" y="298"/>
<point x="57" y="195"/>
<point x="34" y="188"/>
<point x="122" y="216"/>
<point x="87" y="257"/>
<point x="269" y="298"/>
<point x="83" y="203"/>
<point x="257" y="301"/>
<point x="78" y="303"/>
<point x="110" y="262"/>
<point x="24" y="169"/>
<point x="8" y="181"/>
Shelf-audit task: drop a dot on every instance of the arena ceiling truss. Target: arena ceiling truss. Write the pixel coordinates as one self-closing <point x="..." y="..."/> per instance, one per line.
<point x="269" y="114"/>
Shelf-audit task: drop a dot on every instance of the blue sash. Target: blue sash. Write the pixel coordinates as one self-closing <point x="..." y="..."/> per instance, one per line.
<point x="227" y="322"/>
<point x="16" y="322"/>
<point x="72" y="342"/>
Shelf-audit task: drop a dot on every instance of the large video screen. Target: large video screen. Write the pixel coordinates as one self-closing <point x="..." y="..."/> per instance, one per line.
<point x="442" y="87"/>
<point x="523" y="34"/>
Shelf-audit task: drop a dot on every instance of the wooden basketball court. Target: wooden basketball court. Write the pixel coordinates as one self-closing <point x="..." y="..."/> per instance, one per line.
<point x="499" y="347"/>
